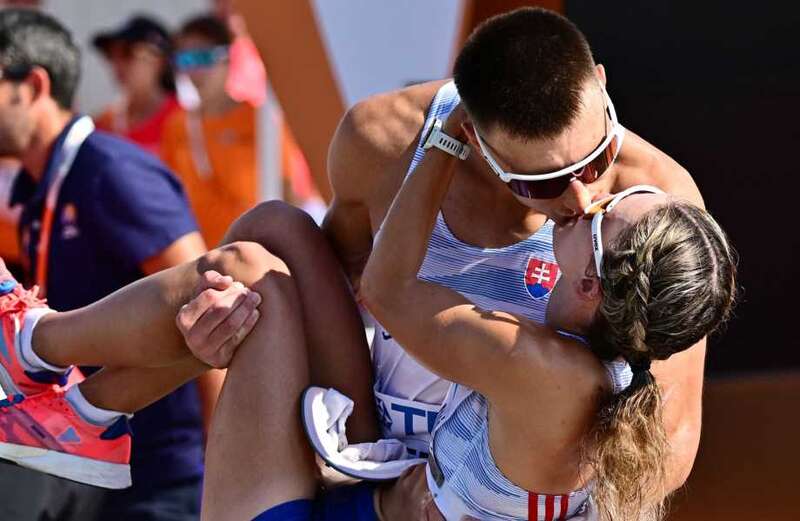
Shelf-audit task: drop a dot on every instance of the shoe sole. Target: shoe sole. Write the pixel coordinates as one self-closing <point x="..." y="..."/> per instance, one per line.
<point x="76" y="468"/>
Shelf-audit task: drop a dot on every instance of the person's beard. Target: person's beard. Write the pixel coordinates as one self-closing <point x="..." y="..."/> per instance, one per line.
<point x="10" y="144"/>
<point x="14" y="129"/>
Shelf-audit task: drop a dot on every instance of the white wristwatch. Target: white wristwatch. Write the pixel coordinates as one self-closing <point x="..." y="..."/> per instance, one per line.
<point x="437" y="138"/>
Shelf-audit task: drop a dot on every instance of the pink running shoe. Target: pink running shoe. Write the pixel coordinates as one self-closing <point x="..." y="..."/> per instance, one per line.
<point x="15" y="301"/>
<point x="44" y="433"/>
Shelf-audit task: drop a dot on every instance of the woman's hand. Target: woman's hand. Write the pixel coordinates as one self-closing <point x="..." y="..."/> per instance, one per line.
<point x="218" y="319"/>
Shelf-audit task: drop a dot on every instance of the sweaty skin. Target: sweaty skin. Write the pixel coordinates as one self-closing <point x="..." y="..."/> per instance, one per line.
<point x="368" y="160"/>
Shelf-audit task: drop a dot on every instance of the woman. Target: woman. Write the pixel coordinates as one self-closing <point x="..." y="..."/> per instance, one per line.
<point x="538" y="410"/>
<point x="139" y="56"/>
<point x="212" y="148"/>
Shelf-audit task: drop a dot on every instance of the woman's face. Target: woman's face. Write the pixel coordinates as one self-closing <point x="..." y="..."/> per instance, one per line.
<point x="209" y="79"/>
<point x="577" y="293"/>
<point x="137" y="67"/>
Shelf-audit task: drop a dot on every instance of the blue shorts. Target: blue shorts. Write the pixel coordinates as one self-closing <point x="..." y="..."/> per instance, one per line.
<point x="345" y="503"/>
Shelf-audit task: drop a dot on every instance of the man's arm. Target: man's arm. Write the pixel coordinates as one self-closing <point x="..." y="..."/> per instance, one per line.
<point x="367" y="160"/>
<point x="680" y="377"/>
<point x="681" y="382"/>
<point x="351" y="158"/>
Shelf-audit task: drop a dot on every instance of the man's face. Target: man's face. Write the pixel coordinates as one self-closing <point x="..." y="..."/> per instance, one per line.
<point x="16" y="117"/>
<point x="549" y="155"/>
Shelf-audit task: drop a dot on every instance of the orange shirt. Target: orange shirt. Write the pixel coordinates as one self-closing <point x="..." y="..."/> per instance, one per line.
<point x="9" y="245"/>
<point x="225" y="185"/>
<point x="147" y="134"/>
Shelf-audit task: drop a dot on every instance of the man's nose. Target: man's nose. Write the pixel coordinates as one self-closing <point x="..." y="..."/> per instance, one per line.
<point x="577" y="196"/>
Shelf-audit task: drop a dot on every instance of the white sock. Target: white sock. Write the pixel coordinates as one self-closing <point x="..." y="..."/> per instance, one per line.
<point x="27" y="356"/>
<point x="89" y="412"/>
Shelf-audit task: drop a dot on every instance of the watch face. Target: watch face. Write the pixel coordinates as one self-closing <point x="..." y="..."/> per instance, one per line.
<point x="428" y="141"/>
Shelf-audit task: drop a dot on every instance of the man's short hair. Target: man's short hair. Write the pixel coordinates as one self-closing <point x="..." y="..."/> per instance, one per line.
<point x="31" y="38"/>
<point x="524" y="71"/>
<point x="209" y="27"/>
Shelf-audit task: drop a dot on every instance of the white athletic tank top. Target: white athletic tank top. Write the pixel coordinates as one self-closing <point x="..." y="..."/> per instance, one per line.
<point x="463" y="476"/>
<point x="516" y="279"/>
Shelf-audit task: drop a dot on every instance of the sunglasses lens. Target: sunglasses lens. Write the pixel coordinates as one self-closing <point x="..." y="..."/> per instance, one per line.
<point x="598" y="166"/>
<point x="542" y="189"/>
<point x="552" y="188"/>
<point x="195" y="59"/>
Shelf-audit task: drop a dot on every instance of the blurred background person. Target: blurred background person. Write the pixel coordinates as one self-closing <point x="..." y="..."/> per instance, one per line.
<point x="97" y="213"/>
<point x="212" y="147"/>
<point x="212" y="143"/>
<point x="138" y="54"/>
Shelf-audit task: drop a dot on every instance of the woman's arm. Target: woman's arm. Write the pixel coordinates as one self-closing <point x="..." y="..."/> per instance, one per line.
<point x="438" y="326"/>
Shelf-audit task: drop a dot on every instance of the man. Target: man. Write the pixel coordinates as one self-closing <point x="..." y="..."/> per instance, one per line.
<point x="529" y="72"/>
<point x="98" y="214"/>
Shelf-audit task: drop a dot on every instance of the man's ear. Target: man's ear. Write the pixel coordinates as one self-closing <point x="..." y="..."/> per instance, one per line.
<point x="469" y="130"/>
<point x="39" y="82"/>
<point x="600" y="71"/>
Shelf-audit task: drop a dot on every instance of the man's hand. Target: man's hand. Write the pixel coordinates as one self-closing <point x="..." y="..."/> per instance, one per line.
<point x="408" y="498"/>
<point x="219" y="318"/>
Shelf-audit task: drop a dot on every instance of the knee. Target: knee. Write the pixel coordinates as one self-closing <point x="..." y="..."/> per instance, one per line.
<point x="247" y="262"/>
<point x="268" y="217"/>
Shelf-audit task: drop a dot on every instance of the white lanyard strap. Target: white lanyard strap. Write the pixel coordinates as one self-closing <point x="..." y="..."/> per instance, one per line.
<point x="197" y="144"/>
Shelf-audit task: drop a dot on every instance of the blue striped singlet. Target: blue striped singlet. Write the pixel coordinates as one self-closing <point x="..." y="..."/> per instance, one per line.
<point x="463" y="476"/>
<point x="516" y="279"/>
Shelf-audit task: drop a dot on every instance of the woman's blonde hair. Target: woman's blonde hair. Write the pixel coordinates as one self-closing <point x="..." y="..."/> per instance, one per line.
<point x="668" y="281"/>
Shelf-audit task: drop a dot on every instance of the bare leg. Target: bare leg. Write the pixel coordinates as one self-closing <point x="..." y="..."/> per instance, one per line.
<point x="257" y="455"/>
<point x="143" y="386"/>
<point x="337" y="347"/>
<point x="138" y="321"/>
<point x="133" y="330"/>
<point x="135" y="326"/>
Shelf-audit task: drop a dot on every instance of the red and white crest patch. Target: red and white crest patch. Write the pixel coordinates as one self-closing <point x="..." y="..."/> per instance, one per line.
<point x="541" y="277"/>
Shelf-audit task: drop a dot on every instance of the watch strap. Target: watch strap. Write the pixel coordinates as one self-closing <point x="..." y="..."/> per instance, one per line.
<point x="439" y="139"/>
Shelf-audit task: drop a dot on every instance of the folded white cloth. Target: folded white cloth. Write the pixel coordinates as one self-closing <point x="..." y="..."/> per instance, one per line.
<point x="324" y="415"/>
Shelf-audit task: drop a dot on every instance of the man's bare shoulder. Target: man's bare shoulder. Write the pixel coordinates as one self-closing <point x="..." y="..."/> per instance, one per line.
<point x="388" y="123"/>
<point x="654" y="166"/>
<point x="378" y="134"/>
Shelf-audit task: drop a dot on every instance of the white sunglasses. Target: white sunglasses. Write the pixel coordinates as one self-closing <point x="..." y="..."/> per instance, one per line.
<point x="600" y="208"/>
<point x="552" y="184"/>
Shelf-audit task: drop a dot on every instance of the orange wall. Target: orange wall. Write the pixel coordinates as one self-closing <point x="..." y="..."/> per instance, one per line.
<point x="749" y="454"/>
<point x="289" y="41"/>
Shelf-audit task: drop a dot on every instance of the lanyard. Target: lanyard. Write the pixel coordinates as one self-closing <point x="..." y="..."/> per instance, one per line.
<point x="197" y="144"/>
<point x="77" y="134"/>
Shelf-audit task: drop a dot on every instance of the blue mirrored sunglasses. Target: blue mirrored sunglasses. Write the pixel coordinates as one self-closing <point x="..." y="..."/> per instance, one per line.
<point x="200" y="58"/>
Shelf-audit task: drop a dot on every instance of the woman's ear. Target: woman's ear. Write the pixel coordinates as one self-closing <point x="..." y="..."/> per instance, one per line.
<point x="589" y="288"/>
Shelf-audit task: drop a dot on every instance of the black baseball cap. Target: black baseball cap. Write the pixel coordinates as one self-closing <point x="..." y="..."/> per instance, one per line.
<point x="140" y="29"/>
